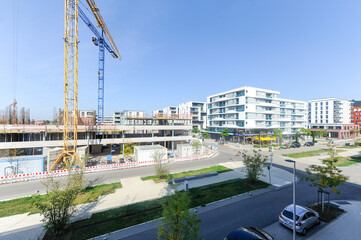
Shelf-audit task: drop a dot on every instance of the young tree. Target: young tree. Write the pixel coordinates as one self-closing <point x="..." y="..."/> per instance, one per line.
<point x="195" y="130"/>
<point x="60" y="204"/>
<point x="254" y="163"/>
<point x="326" y="176"/>
<point x="224" y="134"/>
<point x="278" y="133"/>
<point x="178" y="223"/>
<point x="128" y="149"/>
<point x="205" y="135"/>
<point x="196" y="145"/>
<point x="314" y="134"/>
<point x="322" y="133"/>
<point x="161" y="169"/>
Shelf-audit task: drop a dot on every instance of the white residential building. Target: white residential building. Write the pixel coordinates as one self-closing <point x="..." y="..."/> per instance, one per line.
<point x="118" y="116"/>
<point x="170" y="111"/>
<point x="198" y="112"/>
<point x="158" y="112"/>
<point x="249" y="110"/>
<point x="108" y="119"/>
<point x="329" y="111"/>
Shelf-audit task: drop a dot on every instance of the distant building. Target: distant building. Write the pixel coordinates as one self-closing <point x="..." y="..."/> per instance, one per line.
<point x="108" y="119"/>
<point x="118" y="117"/>
<point x="248" y="111"/>
<point x="198" y="112"/>
<point x="337" y="131"/>
<point x="356" y="115"/>
<point x="85" y="117"/>
<point x="329" y="111"/>
<point x="158" y="112"/>
<point x="170" y="111"/>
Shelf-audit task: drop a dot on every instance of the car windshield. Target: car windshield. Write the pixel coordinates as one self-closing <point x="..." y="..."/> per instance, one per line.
<point x="289" y="215"/>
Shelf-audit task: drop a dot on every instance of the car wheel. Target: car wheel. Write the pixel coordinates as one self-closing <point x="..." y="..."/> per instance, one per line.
<point x="304" y="231"/>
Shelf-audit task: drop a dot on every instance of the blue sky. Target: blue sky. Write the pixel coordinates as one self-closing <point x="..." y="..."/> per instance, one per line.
<point x="177" y="51"/>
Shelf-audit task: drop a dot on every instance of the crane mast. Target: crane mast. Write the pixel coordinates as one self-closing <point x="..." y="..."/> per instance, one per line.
<point x="70" y="114"/>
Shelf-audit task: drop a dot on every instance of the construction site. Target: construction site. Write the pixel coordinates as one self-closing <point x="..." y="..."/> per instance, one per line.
<point x="27" y="146"/>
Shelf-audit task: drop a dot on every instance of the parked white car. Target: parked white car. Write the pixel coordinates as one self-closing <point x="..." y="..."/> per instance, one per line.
<point x="305" y="218"/>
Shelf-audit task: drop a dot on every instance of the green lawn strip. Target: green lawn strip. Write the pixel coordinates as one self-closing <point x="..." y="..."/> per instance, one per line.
<point x="350" y="147"/>
<point x="308" y="154"/>
<point x="219" y="169"/>
<point x="119" y="218"/>
<point x="347" y="161"/>
<point x="27" y="204"/>
<point x="329" y="213"/>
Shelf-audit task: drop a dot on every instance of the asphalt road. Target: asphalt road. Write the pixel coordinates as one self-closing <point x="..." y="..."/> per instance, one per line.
<point x="260" y="211"/>
<point x="24" y="189"/>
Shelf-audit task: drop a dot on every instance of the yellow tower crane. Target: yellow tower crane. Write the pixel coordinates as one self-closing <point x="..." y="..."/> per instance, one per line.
<point x="70" y="115"/>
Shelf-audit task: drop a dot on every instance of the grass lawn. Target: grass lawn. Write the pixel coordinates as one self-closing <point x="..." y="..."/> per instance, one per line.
<point x="347" y="161"/>
<point x="27" y="204"/>
<point x="329" y="212"/>
<point x="119" y="218"/>
<point x="219" y="169"/>
<point x="308" y="154"/>
<point x="350" y="147"/>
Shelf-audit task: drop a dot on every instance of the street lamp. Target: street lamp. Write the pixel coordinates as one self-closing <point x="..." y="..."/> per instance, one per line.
<point x="294" y="197"/>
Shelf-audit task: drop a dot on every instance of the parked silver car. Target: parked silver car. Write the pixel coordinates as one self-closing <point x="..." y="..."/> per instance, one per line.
<point x="305" y="218"/>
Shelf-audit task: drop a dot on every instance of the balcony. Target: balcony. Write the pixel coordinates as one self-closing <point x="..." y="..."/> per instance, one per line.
<point x="221" y="105"/>
<point x="268" y="118"/>
<point x="268" y="125"/>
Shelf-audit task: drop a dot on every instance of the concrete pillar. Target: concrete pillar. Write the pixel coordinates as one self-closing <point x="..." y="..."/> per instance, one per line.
<point x="173" y="142"/>
<point x="152" y="137"/>
<point x="123" y="143"/>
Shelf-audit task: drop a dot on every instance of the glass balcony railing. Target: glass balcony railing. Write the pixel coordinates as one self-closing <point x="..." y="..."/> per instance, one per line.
<point x="268" y="125"/>
<point x="221" y="105"/>
<point x="268" y="118"/>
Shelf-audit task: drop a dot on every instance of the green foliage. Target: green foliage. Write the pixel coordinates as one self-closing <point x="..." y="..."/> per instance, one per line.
<point x="297" y="136"/>
<point x="322" y="133"/>
<point x="254" y="163"/>
<point x="305" y="131"/>
<point x="205" y="135"/>
<point x="224" y="132"/>
<point x="128" y="148"/>
<point x="161" y="169"/>
<point x="196" y="144"/>
<point x="59" y="206"/>
<point x="326" y="176"/>
<point x="278" y="133"/>
<point x="195" y="130"/>
<point x="314" y="134"/>
<point x="178" y="223"/>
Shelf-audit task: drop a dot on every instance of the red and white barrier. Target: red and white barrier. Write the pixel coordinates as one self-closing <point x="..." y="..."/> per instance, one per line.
<point x="100" y="168"/>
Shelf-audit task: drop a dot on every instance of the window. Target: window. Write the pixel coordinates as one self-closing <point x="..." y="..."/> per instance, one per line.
<point x="304" y="217"/>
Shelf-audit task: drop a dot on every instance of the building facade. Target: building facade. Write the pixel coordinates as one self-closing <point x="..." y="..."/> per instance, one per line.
<point x="198" y="112"/>
<point x="329" y="111"/>
<point x="337" y="131"/>
<point x="356" y="115"/>
<point x="170" y="111"/>
<point x="248" y="110"/>
<point x="158" y="112"/>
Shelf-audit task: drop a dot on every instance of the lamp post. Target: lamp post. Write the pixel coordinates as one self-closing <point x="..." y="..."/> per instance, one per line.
<point x="294" y="197"/>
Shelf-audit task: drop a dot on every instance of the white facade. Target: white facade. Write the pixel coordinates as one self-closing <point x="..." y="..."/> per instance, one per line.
<point x="168" y="111"/>
<point x="158" y="112"/>
<point x="118" y="117"/>
<point x="198" y="112"/>
<point x="108" y="119"/>
<point x="249" y="108"/>
<point x="146" y="153"/>
<point x="329" y="110"/>
<point x="85" y="113"/>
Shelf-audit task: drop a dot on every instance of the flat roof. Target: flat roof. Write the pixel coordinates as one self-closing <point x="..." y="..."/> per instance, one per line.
<point x="328" y="99"/>
<point x="242" y="88"/>
<point x="149" y="147"/>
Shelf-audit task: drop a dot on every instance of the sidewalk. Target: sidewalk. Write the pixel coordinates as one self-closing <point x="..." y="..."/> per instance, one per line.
<point x="346" y="226"/>
<point x="134" y="190"/>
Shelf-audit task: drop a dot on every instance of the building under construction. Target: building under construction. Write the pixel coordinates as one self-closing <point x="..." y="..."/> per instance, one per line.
<point x="31" y="140"/>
